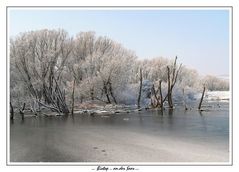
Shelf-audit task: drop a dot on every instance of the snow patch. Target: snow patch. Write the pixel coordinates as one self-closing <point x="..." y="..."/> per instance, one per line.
<point x="215" y="95"/>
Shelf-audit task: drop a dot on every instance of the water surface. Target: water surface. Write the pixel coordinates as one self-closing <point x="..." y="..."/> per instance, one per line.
<point x="135" y="137"/>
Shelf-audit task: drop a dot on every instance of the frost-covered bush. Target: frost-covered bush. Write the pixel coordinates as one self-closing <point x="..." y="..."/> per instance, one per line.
<point x="128" y="95"/>
<point x="215" y="84"/>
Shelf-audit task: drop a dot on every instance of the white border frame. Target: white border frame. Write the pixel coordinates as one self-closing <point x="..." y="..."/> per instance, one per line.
<point x="230" y="8"/>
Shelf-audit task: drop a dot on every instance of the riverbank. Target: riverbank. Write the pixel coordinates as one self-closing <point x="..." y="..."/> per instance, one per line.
<point x="95" y="107"/>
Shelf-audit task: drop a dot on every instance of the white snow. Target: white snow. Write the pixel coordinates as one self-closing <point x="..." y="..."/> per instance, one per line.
<point x="215" y="95"/>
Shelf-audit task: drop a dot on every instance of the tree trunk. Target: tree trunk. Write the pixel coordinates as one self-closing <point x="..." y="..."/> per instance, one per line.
<point x="112" y="93"/>
<point x="106" y="92"/>
<point x="140" y="87"/>
<point x="170" y="102"/>
<point x="200" y="104"/>
<point x="60" y="97"/>
<point x="171" y="84"/>
<point x="35" y="106"/>
<point x="56" y="99"/>
<point x="73" y="97"/>
<point x="160" y="94"/>
<point x="11" y="111"/>
<point x="23" y="108"/>
<point x="159" y="99"/>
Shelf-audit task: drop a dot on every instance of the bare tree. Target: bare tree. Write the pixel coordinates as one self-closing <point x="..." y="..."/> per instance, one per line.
<point x="158" y="96"/>
<point x="201" y="100"/>
<point x="73" y="97"/>
<point x="140" y="86"/>
<point x="172" y="78"/>
<point x="170" y="101"/>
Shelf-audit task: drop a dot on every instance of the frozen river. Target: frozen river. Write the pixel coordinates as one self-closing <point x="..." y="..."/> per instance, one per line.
<point x="147" y="136"/>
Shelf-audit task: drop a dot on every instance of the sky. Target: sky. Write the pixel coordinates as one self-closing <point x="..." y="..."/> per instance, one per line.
<point x="199" y="37"/>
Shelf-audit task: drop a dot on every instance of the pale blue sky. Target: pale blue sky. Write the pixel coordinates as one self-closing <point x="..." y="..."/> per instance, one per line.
<point x="200" y="38"/>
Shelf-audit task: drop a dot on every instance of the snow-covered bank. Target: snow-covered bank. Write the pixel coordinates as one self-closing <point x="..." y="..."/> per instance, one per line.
<point x="213" y="100"/>
<point x="93" y="108"/>
<point x="192" y="99"/>
<point x="215" y="95"/>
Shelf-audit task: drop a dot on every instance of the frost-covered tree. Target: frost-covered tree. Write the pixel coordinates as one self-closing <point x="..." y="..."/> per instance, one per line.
<point x="40" y="58"/>
<point x="154" y="69"/>
<point x="188" y="78"/>
<point x="102" y="65"/>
